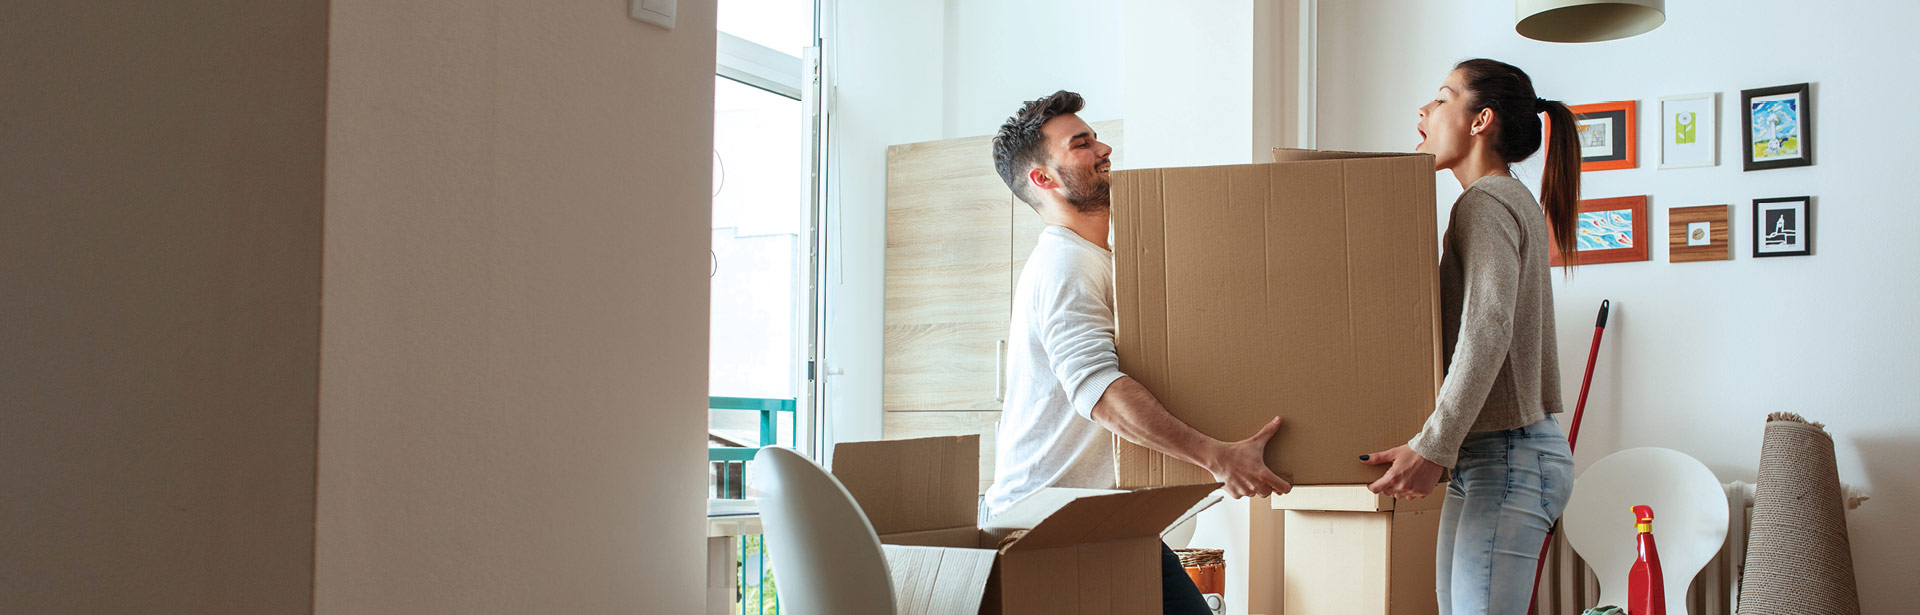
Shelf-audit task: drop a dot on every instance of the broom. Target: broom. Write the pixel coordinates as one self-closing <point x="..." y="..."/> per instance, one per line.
<point x="1573" y="436"/>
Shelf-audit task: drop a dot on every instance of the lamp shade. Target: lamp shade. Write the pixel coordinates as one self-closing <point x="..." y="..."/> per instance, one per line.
<point x="1586" y="21"/>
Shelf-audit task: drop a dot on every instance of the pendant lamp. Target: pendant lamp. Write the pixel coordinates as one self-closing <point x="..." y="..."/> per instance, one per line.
<point x="1586" y="21"/>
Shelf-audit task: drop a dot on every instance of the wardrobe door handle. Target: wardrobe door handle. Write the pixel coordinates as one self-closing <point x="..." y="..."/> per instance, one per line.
<point x="1000" y="371"/>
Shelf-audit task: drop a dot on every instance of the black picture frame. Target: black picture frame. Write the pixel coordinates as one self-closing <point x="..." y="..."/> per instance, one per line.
<point x="1803" y="125"/>
<point x="1618" y="138"/>
<point x="1796" y="222"/>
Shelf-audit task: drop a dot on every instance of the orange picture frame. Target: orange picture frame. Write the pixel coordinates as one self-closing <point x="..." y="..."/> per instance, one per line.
<point x="1612" y="231"/>
<point x="1619" y="146"/>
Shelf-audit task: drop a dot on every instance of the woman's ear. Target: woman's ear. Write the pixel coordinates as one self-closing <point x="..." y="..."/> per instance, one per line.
<point x="1482" y="121"/>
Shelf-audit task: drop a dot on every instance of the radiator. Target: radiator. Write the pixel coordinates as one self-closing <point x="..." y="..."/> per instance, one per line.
<point x="1568" y="587"/>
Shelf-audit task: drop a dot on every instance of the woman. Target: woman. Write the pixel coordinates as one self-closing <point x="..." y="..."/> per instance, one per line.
<point x="1493" y="421"/>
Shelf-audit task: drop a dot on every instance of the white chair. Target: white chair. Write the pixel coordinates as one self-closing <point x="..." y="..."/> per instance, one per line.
<point x="1689" y="519"/>
<point x="825" y="554"/>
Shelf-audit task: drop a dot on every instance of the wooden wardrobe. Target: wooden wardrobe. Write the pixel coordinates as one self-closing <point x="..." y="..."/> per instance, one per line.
<point x="956" y="241"/>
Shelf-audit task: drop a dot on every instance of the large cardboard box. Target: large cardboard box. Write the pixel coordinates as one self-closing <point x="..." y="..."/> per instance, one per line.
<point x="1306" y="288"/>
<point x="1350" y="552"/>
<point x="1084" y="551"/>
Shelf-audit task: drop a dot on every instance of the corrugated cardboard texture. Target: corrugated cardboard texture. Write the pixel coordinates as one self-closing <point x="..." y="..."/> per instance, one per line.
<point x="1306" y="289"/>
<point x="1121" y="577"/>
<point x="934" y="581"/>
<point x="912" y="485"/>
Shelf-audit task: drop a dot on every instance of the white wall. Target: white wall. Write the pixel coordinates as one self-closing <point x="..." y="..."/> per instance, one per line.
<point x="513" y="357"/>
<point x="885" y="69"/>
<point x="1000" y="53"/>
<point x="1697" y="354"/>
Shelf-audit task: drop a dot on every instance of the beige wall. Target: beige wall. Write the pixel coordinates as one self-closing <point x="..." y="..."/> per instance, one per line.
<point x="506" y="388"/>
<point x="160" y="213"/>
<point x="514" y="347"/>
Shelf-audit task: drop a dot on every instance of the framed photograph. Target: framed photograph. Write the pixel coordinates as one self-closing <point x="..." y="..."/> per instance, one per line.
<point x="1783" y="226"/>
<point x="1606" y="132"/>
<point x="1779" y="127"/>
<point x="1689" y="131"/>
<point x="1608" y="231"/>
<point x="1697" y="234"/>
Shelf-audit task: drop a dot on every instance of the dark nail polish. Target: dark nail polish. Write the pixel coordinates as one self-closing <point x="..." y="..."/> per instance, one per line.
<point x="1365" y="457"/>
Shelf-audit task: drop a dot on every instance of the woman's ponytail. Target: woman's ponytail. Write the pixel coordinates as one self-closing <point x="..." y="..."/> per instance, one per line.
<point x="1508" y="91"/>
<point x="1560" y="185"/>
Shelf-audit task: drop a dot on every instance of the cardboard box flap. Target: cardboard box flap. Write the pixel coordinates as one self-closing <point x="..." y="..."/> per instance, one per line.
<point x="1037" y="506"/>
<point x="912" y="485"/>
<point x="1098" y="518"/>
<point x="935" y="581"/>
<point x="1287" y="154"/>
<point x="960" y="537"/>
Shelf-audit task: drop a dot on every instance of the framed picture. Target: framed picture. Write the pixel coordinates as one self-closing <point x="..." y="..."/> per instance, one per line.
<point x="1783" y="226"/>
<point x="1689" y="131"/>
<point x="1697" y="234"/>
<point x="1606" y="132"/>
<point x="1779" y="127"/>
<point x="1608" y="231"/>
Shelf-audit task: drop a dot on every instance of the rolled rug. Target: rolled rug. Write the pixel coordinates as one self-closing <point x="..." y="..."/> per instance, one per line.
<point x="1798" y="558"/>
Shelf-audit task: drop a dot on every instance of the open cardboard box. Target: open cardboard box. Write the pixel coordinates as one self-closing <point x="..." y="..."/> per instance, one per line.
<point x="1307" y="288"/>
<point x="1084" y="551"/>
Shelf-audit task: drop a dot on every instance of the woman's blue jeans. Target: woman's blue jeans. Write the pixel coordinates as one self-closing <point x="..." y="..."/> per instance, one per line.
<point x="1508" y="487"/>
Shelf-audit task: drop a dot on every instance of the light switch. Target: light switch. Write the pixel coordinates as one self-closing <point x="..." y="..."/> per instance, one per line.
<point x="656" y="12"/>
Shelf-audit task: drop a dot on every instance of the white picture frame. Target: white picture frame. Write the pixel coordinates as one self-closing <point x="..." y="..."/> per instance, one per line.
<point x="1681" y="146"/>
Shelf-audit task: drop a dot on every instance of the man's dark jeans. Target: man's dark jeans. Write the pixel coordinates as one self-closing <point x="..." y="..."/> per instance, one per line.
<point x="1177" y="591"/>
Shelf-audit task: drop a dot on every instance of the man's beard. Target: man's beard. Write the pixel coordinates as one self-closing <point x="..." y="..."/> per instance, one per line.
<point x="1088" y="192"/>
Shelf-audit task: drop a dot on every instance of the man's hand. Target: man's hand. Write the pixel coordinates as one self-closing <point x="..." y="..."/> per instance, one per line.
<point x="1410" y="477"/>
<point x="1241" y="467"/>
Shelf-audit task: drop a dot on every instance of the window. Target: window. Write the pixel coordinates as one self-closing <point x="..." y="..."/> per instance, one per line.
<point x="765" y="242"/>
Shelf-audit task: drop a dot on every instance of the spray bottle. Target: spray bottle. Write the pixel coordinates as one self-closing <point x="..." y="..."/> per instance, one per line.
<point x="1646" y="591"/>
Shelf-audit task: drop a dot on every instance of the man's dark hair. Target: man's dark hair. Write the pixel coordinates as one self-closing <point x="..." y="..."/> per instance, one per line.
<point x="1019" y="144"/>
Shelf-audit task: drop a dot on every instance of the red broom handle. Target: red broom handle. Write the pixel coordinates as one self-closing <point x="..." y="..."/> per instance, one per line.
<point x="1573" y="436"/>
<point x="1593" y="353"/>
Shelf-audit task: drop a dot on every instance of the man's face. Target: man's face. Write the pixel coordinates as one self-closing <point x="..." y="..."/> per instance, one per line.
<point x="1079" y="162"/>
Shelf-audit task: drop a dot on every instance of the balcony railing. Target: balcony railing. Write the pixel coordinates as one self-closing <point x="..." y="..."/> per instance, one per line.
<point x="730" y="465"/>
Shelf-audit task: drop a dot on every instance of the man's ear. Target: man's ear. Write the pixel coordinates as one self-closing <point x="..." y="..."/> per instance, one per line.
<point x="1040" y="178"/>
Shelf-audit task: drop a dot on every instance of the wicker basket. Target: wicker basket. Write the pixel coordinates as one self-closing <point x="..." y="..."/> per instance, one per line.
<point x="1207" y="568"/>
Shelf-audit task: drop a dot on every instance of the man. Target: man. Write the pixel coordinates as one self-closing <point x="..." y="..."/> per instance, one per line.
<point x="1065" y="393"/>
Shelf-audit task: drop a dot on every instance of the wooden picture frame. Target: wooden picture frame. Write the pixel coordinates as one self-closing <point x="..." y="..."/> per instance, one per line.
<point x="1783" y="226"/>
<point x="1608" y="135"/>
<point x="1696" y="234"/>
<point x="1609" y="231"/>
<point x="1784" y="115"/>
<point x="1689" y="131"/>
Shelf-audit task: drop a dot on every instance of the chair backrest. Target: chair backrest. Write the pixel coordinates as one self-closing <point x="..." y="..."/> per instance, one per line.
<point x="1689" y="519"/>
<point x="826" y="556"/>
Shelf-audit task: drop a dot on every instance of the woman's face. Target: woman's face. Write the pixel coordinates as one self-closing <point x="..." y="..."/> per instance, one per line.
<point x="1446" y="123"/>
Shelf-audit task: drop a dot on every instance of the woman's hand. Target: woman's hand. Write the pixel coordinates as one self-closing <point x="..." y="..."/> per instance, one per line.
<point x="1411" y="476"/>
